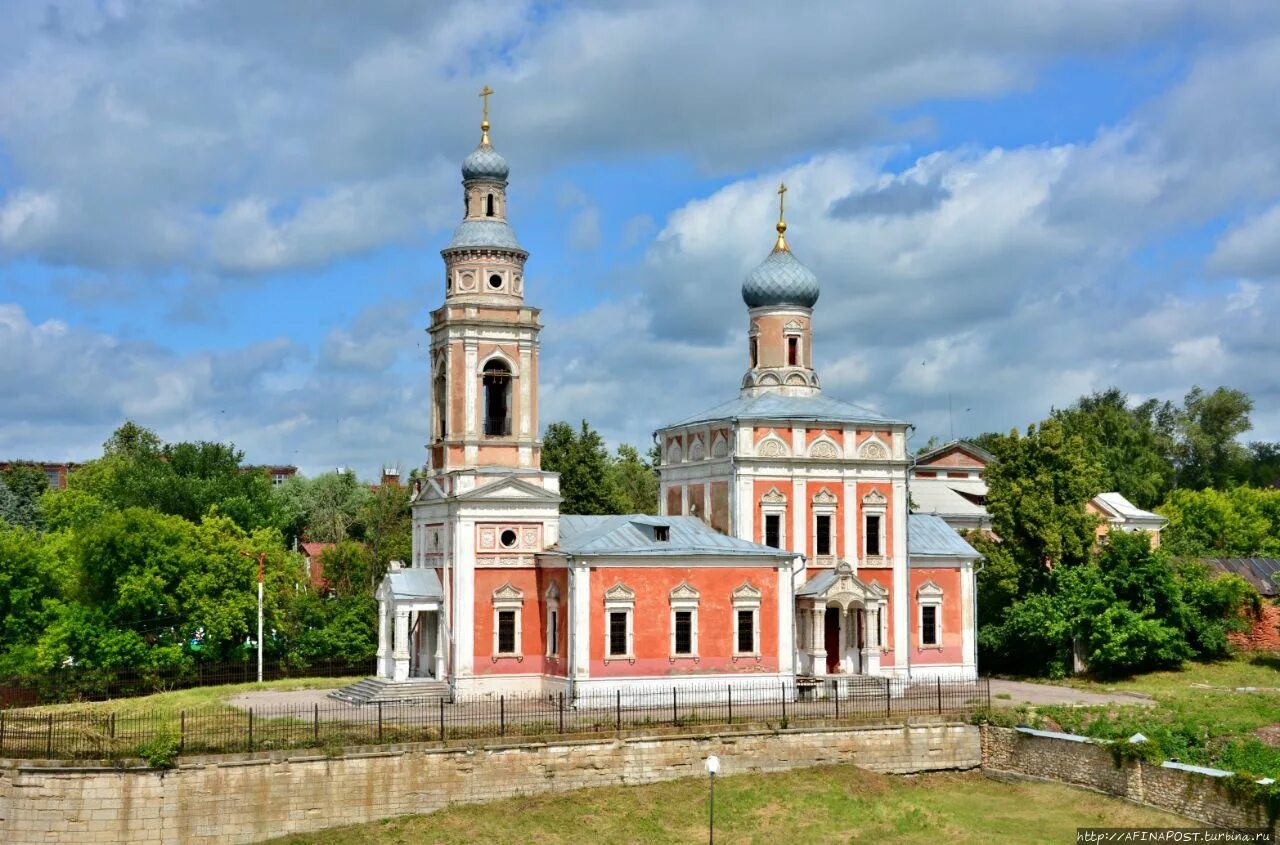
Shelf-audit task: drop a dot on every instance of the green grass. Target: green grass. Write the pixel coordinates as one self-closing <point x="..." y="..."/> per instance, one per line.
<point x="826" y="804"/>
<point x="188" y="699"/>
<point x="1197" y="717"/>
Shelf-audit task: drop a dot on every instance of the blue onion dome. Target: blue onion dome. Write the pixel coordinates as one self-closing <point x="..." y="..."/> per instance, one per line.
<point x="780" y="280"/>
<point x="485" y="163"/>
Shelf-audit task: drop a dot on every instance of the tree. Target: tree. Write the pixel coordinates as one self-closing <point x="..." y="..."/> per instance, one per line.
<point x="386" y="527"/>
<point x="588" y="484"/>
<point x="1240" y="522"/>
<point x="1134" y="446"/>
<point x="21" y="489"/>
<point x="637" y="481"/>
<point x="26" y="584"/>
<point x="1037" y="489"/>
<point x="325" y="509"/>
<point x="1209" y="454"/>
<point x="1264" y="465"/>
<point x="347" y="568"/>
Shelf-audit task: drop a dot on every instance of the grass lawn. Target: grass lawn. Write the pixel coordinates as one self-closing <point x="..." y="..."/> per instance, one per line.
<point x="826" y="804"/>
<point x="1198" y="717"/>
<point x="188" y="699"/>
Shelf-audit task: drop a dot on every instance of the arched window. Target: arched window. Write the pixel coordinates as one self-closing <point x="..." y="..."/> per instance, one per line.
<point x="488" y="205"/>
<point x="793" y="351"/>
<point x="754" y="346"/>
<point x="497" y="399"/>
<point x="438" y="408"/>
<point x="466" y="203"/>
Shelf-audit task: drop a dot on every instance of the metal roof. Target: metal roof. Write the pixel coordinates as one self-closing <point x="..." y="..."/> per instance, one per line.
<point x="775" y="406"/>
<point x="1125" y="509"/>
<point x="931" y="537"/>
<point x="415" y="584"/>
<point x="485" y="162"/>
<point x="939" y="497"/>
<point x="780" y="280"/>
<point x="818" y="584"/>
<point x="633" y="534"/>
<point x="1262" y="572"/>
<point x="479" y="233"/>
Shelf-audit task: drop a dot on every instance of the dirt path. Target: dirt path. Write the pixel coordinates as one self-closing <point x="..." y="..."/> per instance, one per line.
<point x="1013" y="693"/>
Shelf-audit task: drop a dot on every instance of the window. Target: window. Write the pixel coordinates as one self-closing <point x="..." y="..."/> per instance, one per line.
<point x="506" y="632"/>
<point x="466" y="205"/>
<point x="495" y="281"/>
<point x="822" y="542"/>
<point x="872" y="534"/>
<point x="497" y="399"/>
<point x="929" y="624"/>
<point x="746" y="639"/>
<point x="618" y="633"/>
<point x="753" y="345"/>
<point x="661" y="533"/>
<point x="439" y="412"/>
<point x="508" y="538"/>
<point x="488" y="205"/>
<point x="553" y="632"/>
<point x="773" y="530"/>
<point x="793" y="351"/>
<point x="684" y="632"/>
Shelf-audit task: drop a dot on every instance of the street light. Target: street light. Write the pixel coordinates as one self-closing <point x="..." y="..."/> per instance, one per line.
<point x="262" y="559"/>
<point x="713" y="769"/>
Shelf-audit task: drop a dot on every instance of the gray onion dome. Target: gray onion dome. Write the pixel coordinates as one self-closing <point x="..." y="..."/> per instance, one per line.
<point x="780" y="280"/>
<point x="485" y="163"/>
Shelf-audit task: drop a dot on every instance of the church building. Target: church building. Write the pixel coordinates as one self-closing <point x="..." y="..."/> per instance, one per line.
<point x="781" y="551"/>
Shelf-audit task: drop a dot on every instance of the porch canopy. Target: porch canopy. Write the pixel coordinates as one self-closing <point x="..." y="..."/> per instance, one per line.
<point x="854" y="642"/>
<point x="409" y="618"/>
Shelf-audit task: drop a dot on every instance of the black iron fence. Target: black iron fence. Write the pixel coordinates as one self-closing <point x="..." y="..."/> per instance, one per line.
<point x="101" y="734"/>
<point x="75" y="683"/>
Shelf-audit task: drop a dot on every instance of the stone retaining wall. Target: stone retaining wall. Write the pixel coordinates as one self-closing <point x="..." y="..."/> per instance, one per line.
<point x="246" y="798"/>
<point x="1202" y="797"/>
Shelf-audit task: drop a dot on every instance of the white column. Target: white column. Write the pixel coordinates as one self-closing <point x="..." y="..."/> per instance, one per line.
<point x="850" y="523"/>
<point x="526" y="390"/>
<point x="384" y="670"/>
<point x="903" y="601"/>
<point x="818" y="648"/>
<point x="580" y="619"/>
<point x="968" y="622"/>
<point x="786" y="621"/>
<point x="400" y="652"/>
<point x="744" y="523"/>
<point x="440" y="645"/>
<point x="464" y="626"/>
<point x="799" y="536"/>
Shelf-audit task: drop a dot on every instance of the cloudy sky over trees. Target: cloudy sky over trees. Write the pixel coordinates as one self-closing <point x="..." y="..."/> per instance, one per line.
<point x="223" y="220"/>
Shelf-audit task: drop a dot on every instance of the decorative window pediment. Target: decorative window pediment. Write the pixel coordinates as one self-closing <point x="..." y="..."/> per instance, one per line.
<point x="825" y="497"/>
<point x="553" y="592"/>
<point x="507" y="594"/>
<point x="824" y="447"/>
<point x="697" y="451"/>
<point x="620" y="594"/>
<point x="929" y="590"/>
<point x="875" y="497"/>
<point x="684" y="593"/>
<point x="673" y="452"/>
<point x="793" y="326"/>
<point x="774" y="497"/>
<point x="746" y="595"/>
<point x="720" y="447"/>
<point x="876" y="588"/>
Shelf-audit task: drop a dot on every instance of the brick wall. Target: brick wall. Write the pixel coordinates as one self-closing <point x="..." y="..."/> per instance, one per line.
<point x="1200" y="797"/>
<point x="1264" y="629"/>
<point x="246" y="798"/>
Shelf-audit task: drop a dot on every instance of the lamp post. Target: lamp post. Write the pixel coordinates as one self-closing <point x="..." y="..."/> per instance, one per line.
<point x="713" y="769"/>
<point x="262" y="559"/>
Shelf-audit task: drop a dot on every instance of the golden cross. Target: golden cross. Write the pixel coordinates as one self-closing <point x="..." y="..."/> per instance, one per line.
<point x="484" y="93"/>
<point x="782" y="190"/>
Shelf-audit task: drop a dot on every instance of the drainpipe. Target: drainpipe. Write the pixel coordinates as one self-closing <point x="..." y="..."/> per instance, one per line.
<point x="976" y="569"/>
<point x="907" y="534"/>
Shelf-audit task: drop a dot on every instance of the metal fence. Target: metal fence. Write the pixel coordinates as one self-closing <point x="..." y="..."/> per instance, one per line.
<point x="75" y="683"/>
<point x="98" y="734"/>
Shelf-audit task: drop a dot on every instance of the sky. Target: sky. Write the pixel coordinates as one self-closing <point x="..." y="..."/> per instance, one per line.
<point x="223" y="220"/>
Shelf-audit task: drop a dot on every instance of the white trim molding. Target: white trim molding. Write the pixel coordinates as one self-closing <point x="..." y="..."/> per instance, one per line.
<point x="684" y="598"/>
<point x="746" y="599"/>
<point x="619" y="599"/>
<point x="554" y="620"/>
<point x="508" y="599"/>
<point x="929" y="594"/>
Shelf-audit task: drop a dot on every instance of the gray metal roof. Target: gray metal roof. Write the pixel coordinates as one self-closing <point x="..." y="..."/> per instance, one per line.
<point x="485" y="162"/>
<point x="929" y="536"/>
<point x="1125" y="509"/>
<point x="775" y="406"/>
<point x="632" y="534"/>
<point x="818" y="584"/>
<point x="780" y="280"/>
<point x="1262" y="572"/>
<point x="480" y="233"/>
<point x="415" y="584"/>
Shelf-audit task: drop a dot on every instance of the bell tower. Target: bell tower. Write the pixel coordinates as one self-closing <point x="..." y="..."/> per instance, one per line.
<point x="484" y="339"/>
<point x="780" y="295"/>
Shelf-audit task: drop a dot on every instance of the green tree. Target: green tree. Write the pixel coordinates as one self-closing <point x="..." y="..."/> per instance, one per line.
<point x="1134" y="446"/>
<point x="1264" y="465"/>
<point x="1239" y="522"/>
<point x="1037" y="488"/>
<point x="588" y="484"/>
<point x="21" y="489"/>
<point x="1209" y="453"/>
<point x="637" y="480"/>
<point x="334" y="501"/>
<point x="26" y="584"/>
<point x="348" y="569"/>
<point x="386" y="527"/>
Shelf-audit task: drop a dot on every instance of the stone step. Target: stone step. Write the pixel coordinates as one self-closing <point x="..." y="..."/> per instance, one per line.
<point x="375" y="690"/>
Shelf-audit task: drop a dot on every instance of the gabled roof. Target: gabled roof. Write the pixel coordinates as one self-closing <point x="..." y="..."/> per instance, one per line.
<point x="972" y="449"/>
<point x="415" y="584"/>
<point x="929" y="536"/>
<point x="945" y="499"/>
<point x="510" y="488"/>
<point x="633" y="535"/>
<point x="774" y="406"/>
<point x="1121" y="508"/>
<point x="1262" y="572"/>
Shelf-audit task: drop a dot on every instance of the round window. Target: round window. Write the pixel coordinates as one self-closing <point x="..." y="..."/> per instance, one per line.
<point x="507" y="538"/>
<point x="495" y="281"/>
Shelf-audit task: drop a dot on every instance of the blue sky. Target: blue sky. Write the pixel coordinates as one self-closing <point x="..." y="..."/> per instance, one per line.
<point x="224" y="220"/>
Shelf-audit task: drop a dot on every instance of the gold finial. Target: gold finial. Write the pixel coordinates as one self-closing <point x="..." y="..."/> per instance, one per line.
<point x="484" y="124"/>
<point x="781" y="245"/>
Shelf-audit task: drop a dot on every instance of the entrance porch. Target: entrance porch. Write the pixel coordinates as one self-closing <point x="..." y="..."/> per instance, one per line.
<point x="838" y="624"/>
<point x="411" y="629"/>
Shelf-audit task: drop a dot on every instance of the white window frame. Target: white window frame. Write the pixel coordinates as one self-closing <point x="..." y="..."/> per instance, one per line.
<point x="823" y="505"/>
<point x="798" y="335"/>
<point x="553" y="613"/>
<point x="746" y="598"/>
<point x="684" y="597"/>
<point x="508" y="597"/>
<point x="929" y="595"/>
<point x="620" y="599"/>
<point x="774" y="503"/>
<point x="875" y="507"/>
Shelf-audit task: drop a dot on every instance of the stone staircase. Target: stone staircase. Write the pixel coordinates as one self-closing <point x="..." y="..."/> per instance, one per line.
<point x="376" y="690"/>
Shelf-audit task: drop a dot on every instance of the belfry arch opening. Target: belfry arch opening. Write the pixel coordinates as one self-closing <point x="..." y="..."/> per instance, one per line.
<point x="440" y="421"/>
<point x="488" y="205"/>
<point x="496" y="384"/>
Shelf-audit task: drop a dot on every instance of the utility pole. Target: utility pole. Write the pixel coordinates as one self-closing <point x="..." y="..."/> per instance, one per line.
<point x="262" y="559"/>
